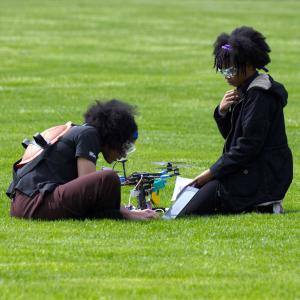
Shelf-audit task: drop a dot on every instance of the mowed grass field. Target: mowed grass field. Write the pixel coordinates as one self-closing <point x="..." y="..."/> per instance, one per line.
<point x="59" y="56"/>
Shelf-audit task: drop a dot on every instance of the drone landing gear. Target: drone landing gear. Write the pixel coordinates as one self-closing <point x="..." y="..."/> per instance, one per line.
<point x="142" y="197"/>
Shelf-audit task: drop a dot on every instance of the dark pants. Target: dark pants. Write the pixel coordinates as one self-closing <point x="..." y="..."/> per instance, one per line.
<point x="96" y="195"/>
<point x="205" y="202"/>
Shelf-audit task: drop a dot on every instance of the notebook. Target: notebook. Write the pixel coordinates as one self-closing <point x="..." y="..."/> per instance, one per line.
<point x="178" y="208"/>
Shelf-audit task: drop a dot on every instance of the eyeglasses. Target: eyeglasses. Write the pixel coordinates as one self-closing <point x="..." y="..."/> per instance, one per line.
<point x="228" y="72"/>
<point x="128" y="148"/>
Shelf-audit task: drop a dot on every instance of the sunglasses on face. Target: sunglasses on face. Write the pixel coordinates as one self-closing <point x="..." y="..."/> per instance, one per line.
<point x="228" y="72"/>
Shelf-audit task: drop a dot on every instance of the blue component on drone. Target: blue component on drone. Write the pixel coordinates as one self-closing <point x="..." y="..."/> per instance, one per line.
<point x="165" y="176"/>
<point x="122" y="179"/>
<point x="158" y="184"/>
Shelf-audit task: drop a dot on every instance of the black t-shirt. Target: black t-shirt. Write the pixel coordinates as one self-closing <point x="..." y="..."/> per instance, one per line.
<point x="60" y="164"/>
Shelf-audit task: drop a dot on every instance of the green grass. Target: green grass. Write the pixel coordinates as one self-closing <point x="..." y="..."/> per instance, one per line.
<point x="58" y="56"/>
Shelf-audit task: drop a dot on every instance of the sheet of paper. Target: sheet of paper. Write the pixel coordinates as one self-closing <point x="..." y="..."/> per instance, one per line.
<point x="178" y="208"/>
<point x="180" y="183"/>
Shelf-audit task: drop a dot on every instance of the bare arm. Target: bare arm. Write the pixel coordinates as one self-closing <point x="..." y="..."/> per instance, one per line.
<point x="144" y="214"/>
<point x="85" y="166"/>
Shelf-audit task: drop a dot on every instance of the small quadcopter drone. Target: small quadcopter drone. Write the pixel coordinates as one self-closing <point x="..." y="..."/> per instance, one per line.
<point x="147" y="185"/>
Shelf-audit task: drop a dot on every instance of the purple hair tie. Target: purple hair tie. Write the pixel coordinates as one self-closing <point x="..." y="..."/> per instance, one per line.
<point x="227" y="47"/>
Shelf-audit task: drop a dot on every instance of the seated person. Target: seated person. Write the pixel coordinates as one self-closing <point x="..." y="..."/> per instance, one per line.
<point x="64" y="184"/>
<point x="256" y="165"/>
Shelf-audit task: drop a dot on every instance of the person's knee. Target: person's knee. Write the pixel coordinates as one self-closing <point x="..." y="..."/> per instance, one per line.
<point x="110" y="176"/>
<point x="109" y="190"/>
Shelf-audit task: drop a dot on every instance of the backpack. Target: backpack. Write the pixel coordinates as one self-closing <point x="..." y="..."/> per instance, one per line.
<point x="35" y="151"/>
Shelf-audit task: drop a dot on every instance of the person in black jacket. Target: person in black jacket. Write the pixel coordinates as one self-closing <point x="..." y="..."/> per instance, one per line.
<point x="256" y="167"/>
<point x="62" y="182"/>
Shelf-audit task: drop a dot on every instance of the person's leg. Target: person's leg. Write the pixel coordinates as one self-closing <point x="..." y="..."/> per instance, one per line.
<point x="24" y="206"/>
<point x="205" y="201"/>
<point x="95" y="195"/>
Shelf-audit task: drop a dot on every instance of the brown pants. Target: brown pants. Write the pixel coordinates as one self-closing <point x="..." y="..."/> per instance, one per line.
<point x="96" y="195"/>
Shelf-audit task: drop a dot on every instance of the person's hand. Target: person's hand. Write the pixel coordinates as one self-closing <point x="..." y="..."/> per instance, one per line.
<point x="229" y="98"/>
<point x="139" y="214"/>
<point x="202" y="179"/>
<point x="144" y="214"/>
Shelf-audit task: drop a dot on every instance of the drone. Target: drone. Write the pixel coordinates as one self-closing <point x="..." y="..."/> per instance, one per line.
<point x="147" y="185"/>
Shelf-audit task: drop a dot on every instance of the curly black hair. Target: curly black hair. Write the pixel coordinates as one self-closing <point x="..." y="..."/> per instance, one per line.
<point x="244" y="46"/>
<point x="114" y="121"/>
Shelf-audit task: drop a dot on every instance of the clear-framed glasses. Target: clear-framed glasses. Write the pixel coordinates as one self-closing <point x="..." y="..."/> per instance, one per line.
<point x="128" y="148"/>
<point x="228" y="72"/>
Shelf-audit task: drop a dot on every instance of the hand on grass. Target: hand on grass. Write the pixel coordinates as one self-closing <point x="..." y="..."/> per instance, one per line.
<point x="139" y="214"/>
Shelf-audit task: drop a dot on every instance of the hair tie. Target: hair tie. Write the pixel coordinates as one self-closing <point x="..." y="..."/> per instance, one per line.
<point x="135" y="135"/>
<point x="265" y="69"/>
<point x="227" y="47"/>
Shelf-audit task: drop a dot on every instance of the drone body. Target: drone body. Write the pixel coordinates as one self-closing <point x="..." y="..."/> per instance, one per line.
<point x="148" y="185"/>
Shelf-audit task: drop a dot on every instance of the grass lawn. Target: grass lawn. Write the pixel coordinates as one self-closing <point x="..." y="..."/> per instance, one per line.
<point x="56" y="58"/>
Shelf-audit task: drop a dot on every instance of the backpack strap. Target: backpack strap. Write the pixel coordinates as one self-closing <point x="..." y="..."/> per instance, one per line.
<point x="41" y="141"/>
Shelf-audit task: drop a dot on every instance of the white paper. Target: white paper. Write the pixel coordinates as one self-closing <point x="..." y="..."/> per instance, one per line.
<point x="180" y="183"/>
<point x="180" y="204"/>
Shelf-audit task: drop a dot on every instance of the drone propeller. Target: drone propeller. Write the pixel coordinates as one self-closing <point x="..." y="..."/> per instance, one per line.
<point x="162" y="163"/>
<point x="172" y="164"/>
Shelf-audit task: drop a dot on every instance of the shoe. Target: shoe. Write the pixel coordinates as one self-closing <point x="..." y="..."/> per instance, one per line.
<point x="273" y="207"/>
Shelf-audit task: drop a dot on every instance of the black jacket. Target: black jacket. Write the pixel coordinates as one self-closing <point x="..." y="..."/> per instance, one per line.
<point x="256" y="165"/>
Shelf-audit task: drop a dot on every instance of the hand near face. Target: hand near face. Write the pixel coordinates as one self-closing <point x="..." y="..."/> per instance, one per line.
<point x="231" y="97"/>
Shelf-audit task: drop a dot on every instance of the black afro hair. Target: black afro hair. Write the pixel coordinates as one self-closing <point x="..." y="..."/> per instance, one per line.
<point x="114" y="121"/>
<point x="244" y="46"/>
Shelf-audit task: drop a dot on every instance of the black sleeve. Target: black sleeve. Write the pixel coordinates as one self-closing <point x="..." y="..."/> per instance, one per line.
<point x="255" y="126"/>
<point x="223" y="122"/>
<point x="87" y="145"/>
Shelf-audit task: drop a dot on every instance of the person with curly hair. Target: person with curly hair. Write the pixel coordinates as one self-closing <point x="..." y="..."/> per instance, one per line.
<point x="255" y="169"/>
<point x="63" y="182"/>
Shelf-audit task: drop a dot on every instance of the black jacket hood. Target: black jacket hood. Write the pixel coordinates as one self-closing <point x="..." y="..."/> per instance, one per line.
<point x="266" y="82"/>
<point x="279" y="91"/>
